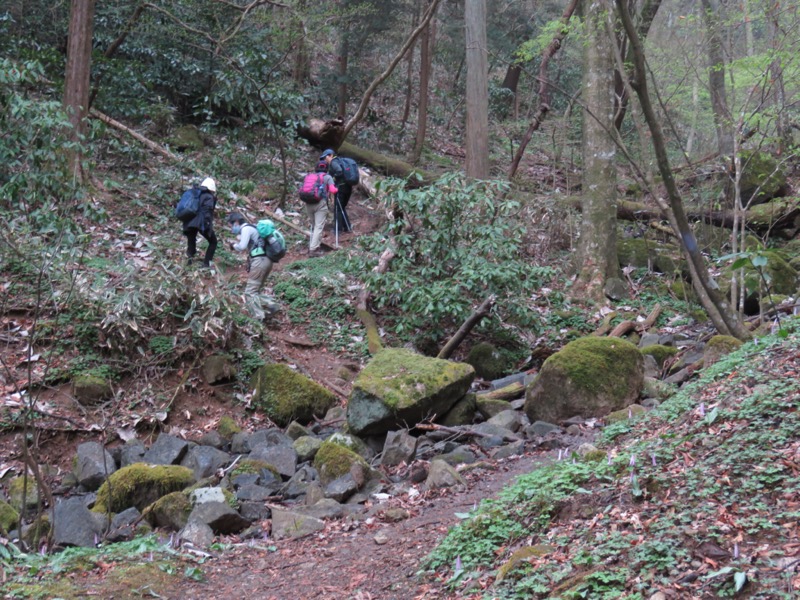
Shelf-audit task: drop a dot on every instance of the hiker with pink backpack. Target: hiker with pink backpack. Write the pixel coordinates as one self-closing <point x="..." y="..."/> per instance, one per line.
<point x="315" y="190"/>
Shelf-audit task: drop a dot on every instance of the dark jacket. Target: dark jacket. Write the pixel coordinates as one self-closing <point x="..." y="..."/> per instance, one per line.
<point x="204" y="221"/>
<point x="336" y="171"/>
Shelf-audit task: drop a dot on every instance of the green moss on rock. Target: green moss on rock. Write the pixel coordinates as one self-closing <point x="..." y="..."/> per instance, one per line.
<point x="91" y="389"/>
<point x="21" y="495"/>
<point x="624" y="414"/>
<point x="334" y="460"/>
<point x="9" y="517"/>
<point x="521" y="556"/>
<point x="227" y="428"/>
<point x="140" y="485"/>
<point x="487" y="361"/>
<point x="170" y="511"/>
<point x="717" y="347"/>
<point x="252" y="466"/>
<point x="761" y="175"/>
<point x="462" y="413"/>
<point x="399" y="386"/>
<point x="591" y="377"/>
<point x="660" y="353"/>
<point x="286" y="395"/>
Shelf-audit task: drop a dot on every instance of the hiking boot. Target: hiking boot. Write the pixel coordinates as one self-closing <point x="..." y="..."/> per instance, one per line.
<point x="271" y="310"/>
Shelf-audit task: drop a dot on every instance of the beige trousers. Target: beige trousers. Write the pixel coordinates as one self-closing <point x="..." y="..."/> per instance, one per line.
<point x="317" y="214"/>
<point x="260" y="267"/>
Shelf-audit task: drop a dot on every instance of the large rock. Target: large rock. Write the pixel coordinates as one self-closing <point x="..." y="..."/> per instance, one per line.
<point x="286" y="395"/>
<point x="93" y="464"/>
<point x="334" y="460"/>
<point x="218" y="368"/>
<point x="89" y="390"/>
<point x="220" y="517"/>
<point x="291" y="524"/>
<point x="167" y="450"/>
<point x="205" y="460"/>
<point x="140" y="485"/>
<point x="400" y="388"/>
<point x="590" y="377"/>
<point x="75" y="525"/>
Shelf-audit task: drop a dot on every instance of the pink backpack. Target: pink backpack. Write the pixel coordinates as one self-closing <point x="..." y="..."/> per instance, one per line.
<point x="313" y="189"/>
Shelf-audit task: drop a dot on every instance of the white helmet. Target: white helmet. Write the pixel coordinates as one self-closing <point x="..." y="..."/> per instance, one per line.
<point x="209" y="184"/>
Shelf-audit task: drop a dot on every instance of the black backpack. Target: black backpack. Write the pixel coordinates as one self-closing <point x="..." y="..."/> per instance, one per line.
<point x="349" y="170"/>
<point x="189" y="205"/>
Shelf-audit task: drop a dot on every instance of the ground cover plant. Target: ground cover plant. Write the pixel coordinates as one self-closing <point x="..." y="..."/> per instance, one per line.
<point x="698" y="496"/>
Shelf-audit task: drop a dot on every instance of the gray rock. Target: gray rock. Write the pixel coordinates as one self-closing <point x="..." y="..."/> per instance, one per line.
<point x="207" y="494"/>
<point x="512" y="449"/>
<point x="462" y="412"/>
<point x="293" y="524"/>
<point x="213" y="439"/>
<point x="460" y="455"/>
<point x="425" y="385"/>
<point x="489" y="407"/>
<point x="283" y="458"/>
<point x="354" y="443"/>
<point x="93" y="465"/>
<point x="306" y="447"/>
<point x="341" y="488"/>
<point x="205" y="460"/>
<point x="328" y="508"/>
<point x="197" y="533"/>
<point x="132" y="452"/>
<point x="504" y="381"/>
<point x="167" y="450"/>
<point x="243" y="479"/>
<point x="76" y="525"/>
<point x="254" y="511"/>
<point x="507" y="419"/>
<point x="294" y="430"/>
<point x="666" y="339"/>
<point x="649" y="339"/>
<point x="442" y="475"/>
<point x="615" y="289"/>
<point x="400" y="447"/>
<point x="240" y="443"/>
<point x="490" y="428"/>
<point x="314" y="493"/>
<point x="123" y="525"/>
<point x="650" y="403"/>
<point x="651" y="368"/>
<point x="541" y="429"/>
<point x="298" y="484"/>
<point x="89" y="390"/>
<point x="219" y="516"/>
<point x="253" y="493"/>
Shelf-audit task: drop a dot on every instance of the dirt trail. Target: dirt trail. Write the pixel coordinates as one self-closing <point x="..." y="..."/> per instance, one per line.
<point x="345" y="562"/>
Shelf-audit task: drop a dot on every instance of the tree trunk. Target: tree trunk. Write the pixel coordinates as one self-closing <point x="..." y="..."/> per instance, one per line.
<point x="410" y="72"/>
<point x="78" y="72"/>
<point x="716" y="77"/>
<point x="511" y="83"/>
<point x="344" y="51"/>
<point x="597" y="249"/>
<point x="477" y="96"/>
<point x="719" y="311"/>
<point x="301" y="69"/>
<point x="425" y="63"/>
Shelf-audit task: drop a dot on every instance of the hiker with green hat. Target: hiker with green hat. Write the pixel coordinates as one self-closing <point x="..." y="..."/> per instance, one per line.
<point x="259" y="264"/>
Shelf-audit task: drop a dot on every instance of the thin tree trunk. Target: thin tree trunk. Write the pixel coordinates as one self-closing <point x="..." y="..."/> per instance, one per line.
<point x="78" y="72"/>
<point x="344" y="50"/>
<point x="716" y="78"/>
<point x="475" y="318"/>
<point x="410" y="72"/>
<point x="544" y="89"/>
<point x="425" y="63"/>
<point x="724" y="319"/>
<point x="477" y="96"/>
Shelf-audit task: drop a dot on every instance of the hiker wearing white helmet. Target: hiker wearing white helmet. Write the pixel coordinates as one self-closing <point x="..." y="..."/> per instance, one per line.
<point x="203" y="224"/>
<point x="259" y="264"/>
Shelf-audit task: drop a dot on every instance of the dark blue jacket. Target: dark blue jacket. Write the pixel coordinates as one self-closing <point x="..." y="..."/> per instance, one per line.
<point x="204" y="221"/>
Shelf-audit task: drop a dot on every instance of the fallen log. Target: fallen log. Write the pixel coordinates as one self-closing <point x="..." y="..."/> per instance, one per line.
<point x="463" y="431"/>
<point x="510" y="392"/>
<point x="472" y="320"/>
<point x="135" y="135"/>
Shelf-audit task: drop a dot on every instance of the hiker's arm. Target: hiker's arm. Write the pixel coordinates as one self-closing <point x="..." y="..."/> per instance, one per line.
<point x="331" y="186"/>
<point x="244" y="240"/>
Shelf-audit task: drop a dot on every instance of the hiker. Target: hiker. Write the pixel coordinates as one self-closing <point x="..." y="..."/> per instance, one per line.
<point x="344" y="172"/>
<point x="316" y="203"/>
<point x="202" y="223"/>
<point x="258" y="266"/>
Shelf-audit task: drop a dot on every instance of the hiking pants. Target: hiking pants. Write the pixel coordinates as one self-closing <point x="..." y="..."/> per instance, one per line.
<point x="191" y="243"/>
<point x="317" y="215"/>
<point x="260" y="267"/>
<point x="343" y="198"/>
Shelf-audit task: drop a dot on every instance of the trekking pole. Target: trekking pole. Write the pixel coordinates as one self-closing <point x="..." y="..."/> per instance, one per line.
<point x="336" y="220"/>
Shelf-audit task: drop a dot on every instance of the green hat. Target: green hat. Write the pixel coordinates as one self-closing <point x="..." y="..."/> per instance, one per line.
<point x="266" y="227"/>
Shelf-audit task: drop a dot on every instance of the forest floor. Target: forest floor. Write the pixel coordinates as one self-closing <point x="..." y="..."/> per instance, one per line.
<point x="359" y="558"/>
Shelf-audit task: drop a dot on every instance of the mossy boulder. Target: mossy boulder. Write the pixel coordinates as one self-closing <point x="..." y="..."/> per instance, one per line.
<point x="22" y="495"/>
<point x="334" y="460"/>
<point x="255" y="467"/>
<point x="140" y="485"/>
<point x="522" y="556"/>
<point x="761" y="175"/>
<point x="717" y="347"/>
<point x="776" y="212"/>
<point x="626" y="413"/>
<point x="490" y="407"/>
<point x="399" y="388"/>
<point x="186" y="138"/>
<point x="9" y="517"/>
<point x="227" y="428"/>
<point x="487" y="361"/>
<point x="89" y="389"/>
<point x="286" y="395"/>
<point x="648" y="254"/>
<point x="659" y="352"/>
<point x="590" y="377"/>
<point x="218" y="368"/>
<point x="170" y="511"/>
<point x="781" y="275"/>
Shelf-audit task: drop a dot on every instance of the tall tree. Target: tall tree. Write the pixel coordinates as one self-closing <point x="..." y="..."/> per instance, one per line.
<point x="425" y="63"/>
<point x="78" y="71"/>
<point x="597" y="251"/>
<point x="477" y="134"/>
<point x="716" y="77"/>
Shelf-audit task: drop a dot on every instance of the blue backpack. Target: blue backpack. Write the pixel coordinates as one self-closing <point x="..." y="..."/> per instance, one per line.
<point x="189" y="205"/>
